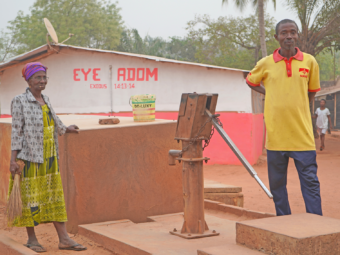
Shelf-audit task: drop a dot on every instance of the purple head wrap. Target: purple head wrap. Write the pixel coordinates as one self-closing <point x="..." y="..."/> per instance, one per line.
<point x="31" y="68"/>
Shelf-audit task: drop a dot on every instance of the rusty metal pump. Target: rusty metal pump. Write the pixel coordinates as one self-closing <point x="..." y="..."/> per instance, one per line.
<point x="194" y="125"/>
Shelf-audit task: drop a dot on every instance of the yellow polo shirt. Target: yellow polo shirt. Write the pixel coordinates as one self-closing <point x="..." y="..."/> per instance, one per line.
<point x="286" y="113"/>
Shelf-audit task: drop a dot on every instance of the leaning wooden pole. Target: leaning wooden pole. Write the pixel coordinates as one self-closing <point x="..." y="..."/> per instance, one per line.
<point x="334" y="109"/>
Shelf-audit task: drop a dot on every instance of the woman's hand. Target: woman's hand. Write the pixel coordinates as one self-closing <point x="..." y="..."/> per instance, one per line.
<point x="72" y="129"/>
<point x="14" y="168"/>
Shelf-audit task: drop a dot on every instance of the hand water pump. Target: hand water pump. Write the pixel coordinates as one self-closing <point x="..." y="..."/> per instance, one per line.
<point x="195" y="120"/>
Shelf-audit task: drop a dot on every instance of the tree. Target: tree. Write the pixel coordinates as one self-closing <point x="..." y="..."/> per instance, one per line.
<point x="231" y="42"/>
<point x="259" y="4"/>
<point x="320" y="24"/>
<point x="94" y="23"/>
<point x="175" y="48"/>
<point x="6" y="46"/>
<point x="326" y="63"/>
<point x="181" y="49"/>
<point x="131" y="41"/>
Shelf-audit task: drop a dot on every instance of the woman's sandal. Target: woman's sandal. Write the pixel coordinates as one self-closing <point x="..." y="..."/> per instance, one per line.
<point x="35" y="247"/>
<point x="74" y="247"/>
<point x="321" y="148"/>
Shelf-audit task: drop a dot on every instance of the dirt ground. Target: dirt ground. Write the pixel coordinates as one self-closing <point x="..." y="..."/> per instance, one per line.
<point x="255" y="199"/>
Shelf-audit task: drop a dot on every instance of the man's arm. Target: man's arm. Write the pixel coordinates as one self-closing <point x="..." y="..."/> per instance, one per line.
<point x="311" y="96"/>
<point x="259" y="89"/>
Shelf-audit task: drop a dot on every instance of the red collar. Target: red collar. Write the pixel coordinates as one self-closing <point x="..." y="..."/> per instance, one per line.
<point x="277" y="56"/>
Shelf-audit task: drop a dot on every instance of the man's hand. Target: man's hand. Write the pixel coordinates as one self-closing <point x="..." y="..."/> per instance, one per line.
<point x="311" y="96"/>
<point x="72" y="129"/>
<point x="14" y="168"/>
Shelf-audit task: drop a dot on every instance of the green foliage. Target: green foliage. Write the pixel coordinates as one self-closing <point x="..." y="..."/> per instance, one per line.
<point x="320" y="22"/>
<point x="94" y="23"/>
<point x="231" y="42"/>
<point x="181" y="49"/>
<point x="174" y="48"/>
<point x="241" y="4"/>
<point x="326" y="63"/>
<point x="6" y="46"/>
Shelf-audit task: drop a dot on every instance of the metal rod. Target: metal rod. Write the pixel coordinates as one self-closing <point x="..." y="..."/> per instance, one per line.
<point x="334" y="110"/>
<point x="238" y="153"/>
<point x="111" y="89"/>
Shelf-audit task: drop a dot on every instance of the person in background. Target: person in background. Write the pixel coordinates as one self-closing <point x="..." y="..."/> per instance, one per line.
<point x="323" y="117"/>
<point x="290" y="81"/>
<point x="35" y="130"/>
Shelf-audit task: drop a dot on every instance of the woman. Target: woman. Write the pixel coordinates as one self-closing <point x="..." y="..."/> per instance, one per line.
<point x="35" y="129"/>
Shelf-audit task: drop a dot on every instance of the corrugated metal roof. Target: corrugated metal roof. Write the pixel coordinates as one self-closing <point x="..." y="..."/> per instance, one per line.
<point x="45" y="47"/>
<point x="329" y="90"/>
<point x="25" y="55"/>
<point x="333" y="90"/>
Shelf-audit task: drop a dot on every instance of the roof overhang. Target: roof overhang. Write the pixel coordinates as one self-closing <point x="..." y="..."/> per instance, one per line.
<point x="45" y="50"/>
<point x="30" y="56"/>
<point x="328" y="92"/>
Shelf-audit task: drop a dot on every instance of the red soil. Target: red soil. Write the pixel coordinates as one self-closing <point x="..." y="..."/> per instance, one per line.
<point x="255" y="199"/>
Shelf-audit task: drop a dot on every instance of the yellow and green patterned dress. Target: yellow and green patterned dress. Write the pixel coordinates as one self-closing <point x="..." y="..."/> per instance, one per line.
<point x="41" y="188"/>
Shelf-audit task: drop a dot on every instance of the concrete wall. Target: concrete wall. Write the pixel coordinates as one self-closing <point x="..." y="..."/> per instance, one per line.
<point x="112" y="173"/>
<point x="70" y="92"/>
<point x="245" y="129"/>
<point x="5" y="157"/>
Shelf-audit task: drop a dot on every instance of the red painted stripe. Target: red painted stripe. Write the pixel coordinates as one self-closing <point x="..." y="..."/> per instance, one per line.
<point x="314" y="90"/>
<point x="146" y="114"/>
<point x="252" y="84"/>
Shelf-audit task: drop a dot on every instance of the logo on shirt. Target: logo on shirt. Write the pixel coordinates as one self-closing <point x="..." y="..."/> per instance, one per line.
<point x="304" y="72"/>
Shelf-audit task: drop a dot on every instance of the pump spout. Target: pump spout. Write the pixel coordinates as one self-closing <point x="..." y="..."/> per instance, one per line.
<point x="173" y="154"/>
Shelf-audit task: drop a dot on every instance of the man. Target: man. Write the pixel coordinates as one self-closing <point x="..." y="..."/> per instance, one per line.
<point x="291" y="79"/>
<point x="323" y="117"/>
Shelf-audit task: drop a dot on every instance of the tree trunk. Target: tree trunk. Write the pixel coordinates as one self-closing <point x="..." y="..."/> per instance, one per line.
<point x="264" y="54"/>
<point x="256" y="54"/>
<point x="262" y="29"/>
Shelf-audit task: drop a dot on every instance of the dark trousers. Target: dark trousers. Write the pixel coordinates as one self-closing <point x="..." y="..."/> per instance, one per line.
<point x="305" y="162"/>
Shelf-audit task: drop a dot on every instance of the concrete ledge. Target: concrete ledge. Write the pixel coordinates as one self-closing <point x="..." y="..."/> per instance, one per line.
<point x="128" y="238"/>
<point x="302" y="234"/>
<point x="235" y="199"/>
<point x="229" y="249"/>
<point x="217" y="187"/>
<point x="91" y="231"/>
<point x="10" y="247"/>
<point x="238" y="211"/>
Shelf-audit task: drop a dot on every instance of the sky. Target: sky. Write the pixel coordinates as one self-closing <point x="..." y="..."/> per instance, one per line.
<point x="159" y="18"/>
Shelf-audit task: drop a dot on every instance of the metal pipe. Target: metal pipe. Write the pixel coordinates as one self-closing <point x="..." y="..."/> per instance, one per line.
<point x="111" y="89"/>
<point x="238" y="153"/>
<point x="193" y="190"/>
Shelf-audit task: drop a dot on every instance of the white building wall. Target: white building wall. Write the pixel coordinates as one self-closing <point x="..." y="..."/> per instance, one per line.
<point x="70" y="96"/>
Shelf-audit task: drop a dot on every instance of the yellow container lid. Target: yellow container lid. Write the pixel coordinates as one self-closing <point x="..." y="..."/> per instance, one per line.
<point x="143" y="98"/>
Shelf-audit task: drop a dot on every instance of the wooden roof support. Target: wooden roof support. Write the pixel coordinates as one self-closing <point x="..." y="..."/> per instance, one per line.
<point x="334" y="110"/>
